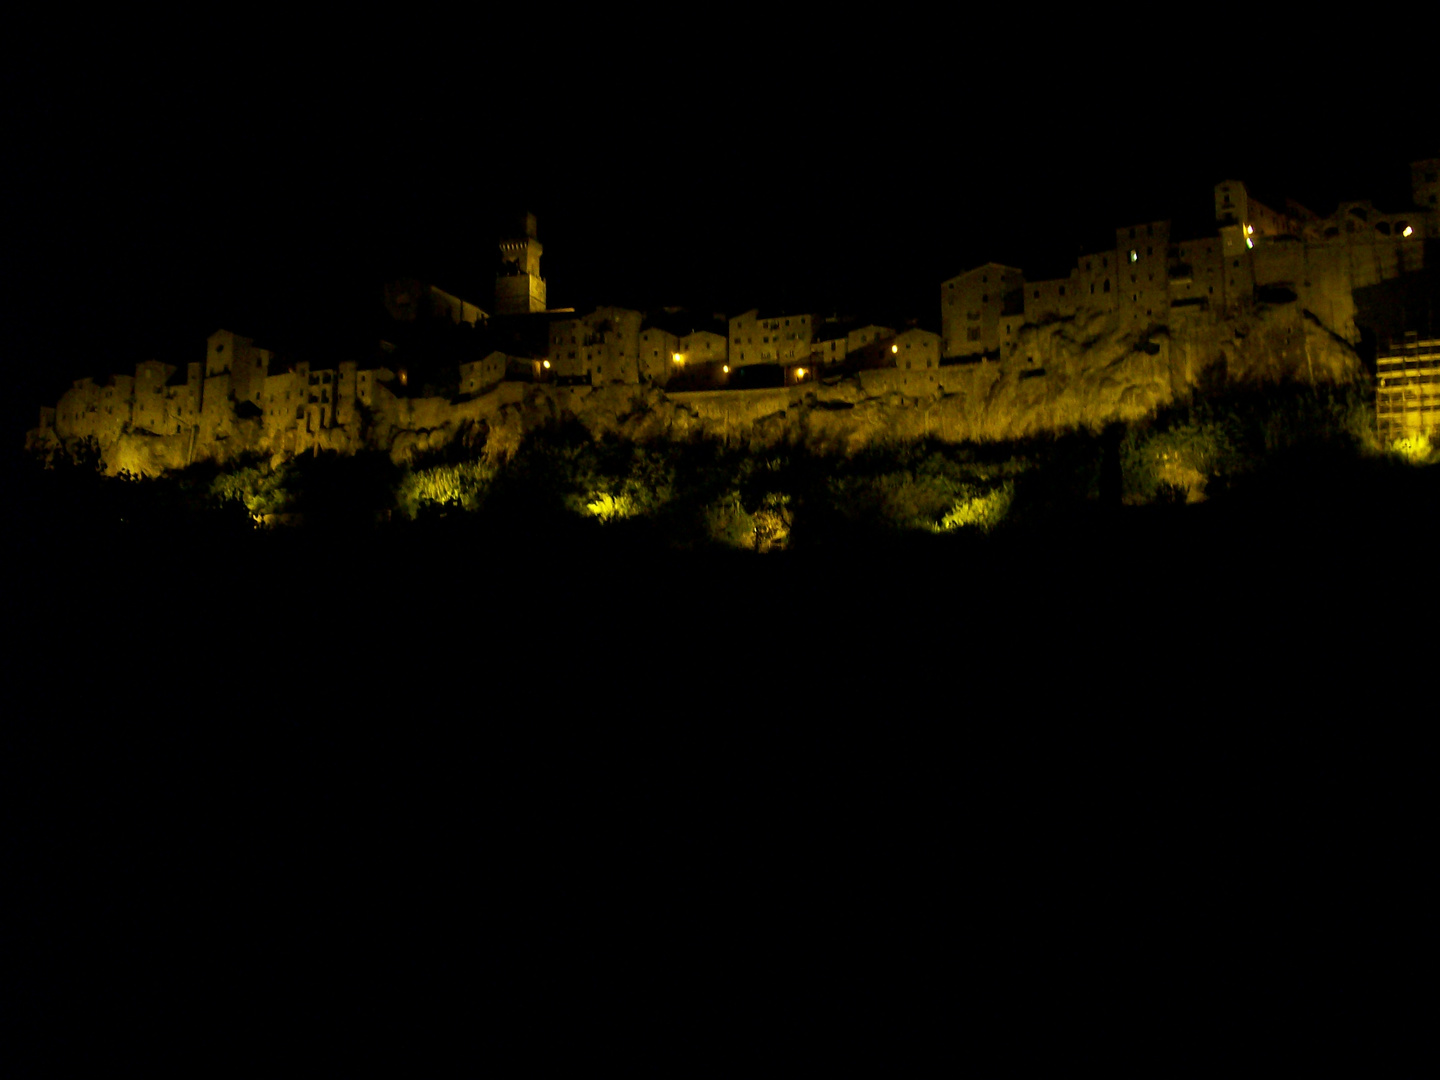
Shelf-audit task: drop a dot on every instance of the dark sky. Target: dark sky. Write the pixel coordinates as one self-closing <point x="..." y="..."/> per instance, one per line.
<point x="266" y="180"/>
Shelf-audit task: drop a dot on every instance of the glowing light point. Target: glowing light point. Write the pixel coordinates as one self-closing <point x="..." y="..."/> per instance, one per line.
<point x="1409" y="229"/>
<point x="676" y="358"/>
<point x="726" y="368"/>
<point x="1249" y="243"/>
<point x="894" y="348"/>
<point x="1249" y="230"/>
<point x="547" y="365"/>
<point x="800" y="373"/>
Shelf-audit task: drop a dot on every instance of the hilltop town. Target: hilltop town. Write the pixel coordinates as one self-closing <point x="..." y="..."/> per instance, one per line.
<point x="1266" y="293"/>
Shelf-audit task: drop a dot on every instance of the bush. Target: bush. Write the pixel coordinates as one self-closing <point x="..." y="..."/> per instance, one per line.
<point x="461" y="485"/>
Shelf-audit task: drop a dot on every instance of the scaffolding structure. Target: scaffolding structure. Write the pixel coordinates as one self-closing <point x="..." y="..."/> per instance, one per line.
<point x="1407" y="392"/>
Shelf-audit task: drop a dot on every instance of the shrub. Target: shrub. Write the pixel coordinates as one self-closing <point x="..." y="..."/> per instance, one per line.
<point x="979" y="507"/>
<point x="460" y="485"/>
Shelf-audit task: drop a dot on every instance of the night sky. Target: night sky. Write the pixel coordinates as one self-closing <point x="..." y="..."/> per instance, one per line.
<point x="155" y="194"/>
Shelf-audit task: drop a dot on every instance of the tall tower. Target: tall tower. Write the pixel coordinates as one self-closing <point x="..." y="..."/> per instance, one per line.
<point x="519" y="288"/>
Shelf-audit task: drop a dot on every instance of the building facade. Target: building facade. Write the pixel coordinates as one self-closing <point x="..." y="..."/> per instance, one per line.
<point x="1407" y="389"/>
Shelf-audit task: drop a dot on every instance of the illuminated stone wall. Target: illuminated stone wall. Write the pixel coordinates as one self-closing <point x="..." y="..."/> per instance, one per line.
<point x="980" y="309"/>
<point x="830" y="345"/>
<point x="1195" y="272"/>
<point x="519" y="288"/>
<point x="602" y="346"/>
<point x="481" y="375"/>
<point x="1141" y="253"/>
<point x="149" y="412"/>
<point x="1097" y="276"/>
<point x="703" y="347"/>
<point x="772" y="339"/>
<point x="658" y="349"/>
<point x="1055" y="299"/>
<point x="917" y="350"/>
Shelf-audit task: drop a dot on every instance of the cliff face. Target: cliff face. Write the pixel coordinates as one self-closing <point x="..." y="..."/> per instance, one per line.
<point x="1069" y="373"/>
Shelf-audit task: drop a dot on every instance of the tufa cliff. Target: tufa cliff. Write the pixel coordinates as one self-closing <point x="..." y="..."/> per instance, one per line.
<point x="1082" y="371"/>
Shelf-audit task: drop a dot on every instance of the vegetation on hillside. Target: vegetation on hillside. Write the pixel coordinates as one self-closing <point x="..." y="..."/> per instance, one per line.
<point x="698" y="493"/>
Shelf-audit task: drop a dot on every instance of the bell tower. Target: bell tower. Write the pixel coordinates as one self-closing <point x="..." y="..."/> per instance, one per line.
<point x="519" y="288"/>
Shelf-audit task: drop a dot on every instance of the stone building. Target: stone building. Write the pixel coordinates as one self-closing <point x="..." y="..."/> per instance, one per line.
<point x="917" y="350"/>
<point x="519" y="288"/>
<point x="1152" y="277"/>
<point x="602" y="346"/>
<point x="703" y="347"/>
<point x="1143" y="291"/>
<point x="830" y="345"/>
<point x="980" y="309"/>
<point x="787" y="340"/>
<point x="478" y="376"/>
<point x="659" y="355"/>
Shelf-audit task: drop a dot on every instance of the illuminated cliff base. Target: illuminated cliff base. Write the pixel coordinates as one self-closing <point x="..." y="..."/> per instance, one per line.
<point x="1068" y="374"/>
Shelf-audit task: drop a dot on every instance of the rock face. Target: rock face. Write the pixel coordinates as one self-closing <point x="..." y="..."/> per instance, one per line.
<point x="1068" y="373"/>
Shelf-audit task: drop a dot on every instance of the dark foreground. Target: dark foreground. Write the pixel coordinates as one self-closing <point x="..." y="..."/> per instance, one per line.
<point x="1149" y="788"/>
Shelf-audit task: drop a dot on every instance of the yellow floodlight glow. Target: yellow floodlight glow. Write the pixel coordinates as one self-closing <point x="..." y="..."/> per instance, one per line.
<point x="676" y="358"/>
<point x="1416" y="449"/>
<point x="800" y="373"/>
<point x="1409" y="230"/>
<point x="547" y="365"/>
<point x="726" y="368"/>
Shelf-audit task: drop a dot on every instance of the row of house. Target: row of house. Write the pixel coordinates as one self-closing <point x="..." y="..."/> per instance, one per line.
<point x="618" y="345"/>
<point x="233" y="383"/>
<point x="1150" y="277"/>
